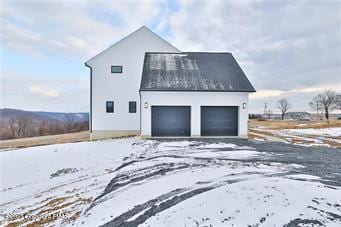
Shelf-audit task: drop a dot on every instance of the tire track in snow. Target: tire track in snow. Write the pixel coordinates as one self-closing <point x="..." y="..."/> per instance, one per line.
<point x="139" y="175"/>
<point x="168" y="200"/>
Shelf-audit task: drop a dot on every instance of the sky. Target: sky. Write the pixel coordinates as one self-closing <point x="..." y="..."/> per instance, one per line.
<point x="288" y="49"/>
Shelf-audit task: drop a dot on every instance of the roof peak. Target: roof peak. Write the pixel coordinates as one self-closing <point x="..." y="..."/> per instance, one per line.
<point x="142" y="28"/>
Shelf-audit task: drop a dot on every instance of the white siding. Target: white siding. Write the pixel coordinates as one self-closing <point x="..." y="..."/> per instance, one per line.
<point x="195" y="100"/>
<point x="121" y="88"/>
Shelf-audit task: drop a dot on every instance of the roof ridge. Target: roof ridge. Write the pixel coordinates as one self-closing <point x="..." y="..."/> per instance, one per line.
<point x="209" y="52"/>
<point x="191" y="52"/>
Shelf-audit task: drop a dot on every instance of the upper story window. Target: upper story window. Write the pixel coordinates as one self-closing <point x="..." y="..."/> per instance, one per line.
<point x="109" y="106"/>
<point x="132" y="107"/>
<point x="116" y="69"/>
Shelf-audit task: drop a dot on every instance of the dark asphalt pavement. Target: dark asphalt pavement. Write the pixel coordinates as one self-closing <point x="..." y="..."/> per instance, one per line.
<point x="318" y="161"/>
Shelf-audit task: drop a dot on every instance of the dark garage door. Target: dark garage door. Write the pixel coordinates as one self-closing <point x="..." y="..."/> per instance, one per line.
<point x="171" y="121"/>
<point x="219" y="121"/>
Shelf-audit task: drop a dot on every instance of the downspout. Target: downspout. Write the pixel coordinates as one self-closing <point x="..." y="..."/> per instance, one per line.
<point x="90" y="113"/>
<point x="140" y="111"/>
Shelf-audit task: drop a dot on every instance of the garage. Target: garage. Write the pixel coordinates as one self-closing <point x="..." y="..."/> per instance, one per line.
<point x="171" y="121"/>
<point x="219" y="121"/>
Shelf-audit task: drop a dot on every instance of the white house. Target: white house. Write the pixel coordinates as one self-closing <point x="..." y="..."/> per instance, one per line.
<point x="142" y="85"/>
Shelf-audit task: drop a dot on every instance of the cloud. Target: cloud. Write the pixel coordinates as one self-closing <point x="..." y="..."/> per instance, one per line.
<point x="76" y="28"/>
<point x="286" y="48"/>
<point x="266" y="94"/>
<point x="318" y="89"/>
<point x="61" y="29"/>
<point x="12" y="33"/>
<point x="261" y="94"/>
<point x="42" y="90"/>
<point x="280" y="45"/>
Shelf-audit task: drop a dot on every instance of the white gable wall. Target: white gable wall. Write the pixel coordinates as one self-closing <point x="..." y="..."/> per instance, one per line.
<point x="195" y="100"/>
<point x="121" y="88"/>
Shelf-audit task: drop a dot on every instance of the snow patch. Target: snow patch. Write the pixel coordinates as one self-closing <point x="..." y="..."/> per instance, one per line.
<point x="218" y="145"/>
<point x="335" y="132"/>
<point x="303" y="177"/>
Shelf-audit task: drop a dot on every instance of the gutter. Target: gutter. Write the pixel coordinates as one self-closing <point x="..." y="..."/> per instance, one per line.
<point x="90" y="113"/>
<point x="189" y="90"/>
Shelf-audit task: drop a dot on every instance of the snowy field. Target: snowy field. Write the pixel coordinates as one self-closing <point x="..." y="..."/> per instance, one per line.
<point x="325" y="137"/>
<point x="151" y="183"/>
<point x="311" y="136"/>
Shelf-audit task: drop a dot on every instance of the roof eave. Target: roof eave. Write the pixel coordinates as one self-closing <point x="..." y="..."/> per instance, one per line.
<point x="188" y="90"/>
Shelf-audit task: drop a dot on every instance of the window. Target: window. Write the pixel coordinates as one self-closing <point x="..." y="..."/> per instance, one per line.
<point x="110" y="107"/>
<point x="132" y="107"/>
<point x="116" y="69"/>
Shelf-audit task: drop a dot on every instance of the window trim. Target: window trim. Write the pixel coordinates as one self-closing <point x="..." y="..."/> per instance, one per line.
<point x="135" y="107"/>
<point x="106" y="107"/>
<point x="119" y="66"/>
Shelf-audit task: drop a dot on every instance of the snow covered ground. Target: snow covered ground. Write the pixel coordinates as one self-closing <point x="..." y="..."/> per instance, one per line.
<point x="153" y="183"/>
<point x="311" y="136"/>
<point x="331" y="132"/>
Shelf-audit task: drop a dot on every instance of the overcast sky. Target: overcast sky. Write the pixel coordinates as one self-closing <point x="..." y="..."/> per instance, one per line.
<point x="287" y="49"/>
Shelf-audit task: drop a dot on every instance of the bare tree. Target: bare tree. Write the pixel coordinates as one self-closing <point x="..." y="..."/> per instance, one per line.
<point x="23" y="122"/>
<point x="43" y="128"/>
<point x="69" y="123"/>
<point x="13" y="127"/>
<point x="325" y="102"/>
<point x="5" y="131"/>
<point x="338" y="101"/>
<point x="283" y="105"/>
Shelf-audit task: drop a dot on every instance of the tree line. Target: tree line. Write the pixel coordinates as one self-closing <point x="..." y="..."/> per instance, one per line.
<point x="325" y="103"/>
<point x="24" y="126"/>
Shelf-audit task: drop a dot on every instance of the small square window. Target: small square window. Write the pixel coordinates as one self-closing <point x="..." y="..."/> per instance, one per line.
<point x="116" y="69"/>
<point x="110" y="106"/>
<point x="132" y="107"/>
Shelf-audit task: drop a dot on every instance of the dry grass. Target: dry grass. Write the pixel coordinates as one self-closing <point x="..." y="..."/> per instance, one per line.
<point x="332" y="143"/>
<point x="261" y="127"/>
<point x="251" y="135"/>
<point x="52" y="210"/>
<point x="266" y="134"/>
<point x="45" y="140"/>
<point x="276" y="124"/>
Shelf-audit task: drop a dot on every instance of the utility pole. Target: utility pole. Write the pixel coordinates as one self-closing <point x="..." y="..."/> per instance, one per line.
<point x="265" y="106"/>
<point x="269" y="114"/>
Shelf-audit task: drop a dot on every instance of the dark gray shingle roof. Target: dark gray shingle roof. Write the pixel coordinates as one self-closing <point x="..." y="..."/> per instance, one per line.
<point x="193" y="71"/>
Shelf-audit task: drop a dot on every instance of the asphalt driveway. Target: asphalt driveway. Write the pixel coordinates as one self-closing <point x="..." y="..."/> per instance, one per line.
<point x="319" y="161"/>
<point x="324" y="164"/>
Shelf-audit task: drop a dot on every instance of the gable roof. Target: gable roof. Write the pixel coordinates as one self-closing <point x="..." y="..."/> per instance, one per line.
<point x="141" y="29"/>
<point x="193" y="71"/>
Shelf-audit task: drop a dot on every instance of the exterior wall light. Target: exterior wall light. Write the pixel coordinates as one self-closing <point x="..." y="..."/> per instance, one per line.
<point x="244" y="105"/>
<point x="146" y="105"/>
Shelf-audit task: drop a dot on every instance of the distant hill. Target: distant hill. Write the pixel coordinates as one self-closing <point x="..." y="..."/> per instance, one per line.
<point x="16" y="123"/>
<point x="7" y="114"/>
